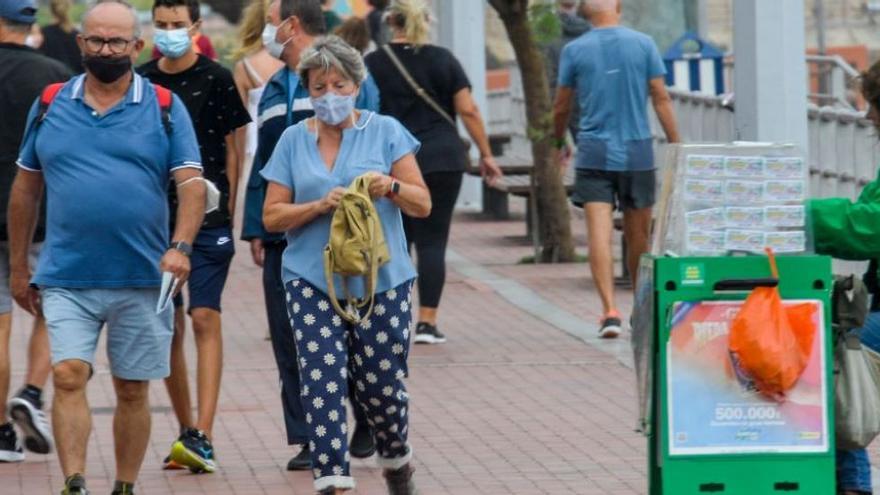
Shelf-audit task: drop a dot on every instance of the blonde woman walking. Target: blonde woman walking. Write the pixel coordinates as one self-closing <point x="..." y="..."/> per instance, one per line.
<point x="59" y="39"/>
<point x="406" y="62"/>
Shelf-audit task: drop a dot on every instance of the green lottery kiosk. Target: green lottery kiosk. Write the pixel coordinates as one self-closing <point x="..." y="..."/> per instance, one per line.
<point x="708" y="429"/>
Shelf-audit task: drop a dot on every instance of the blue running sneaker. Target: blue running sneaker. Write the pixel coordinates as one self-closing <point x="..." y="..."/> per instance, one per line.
<point x="194" y="451"/>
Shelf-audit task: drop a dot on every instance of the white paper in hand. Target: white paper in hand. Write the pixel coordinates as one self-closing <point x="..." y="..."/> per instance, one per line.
<point x="166" y="293"/>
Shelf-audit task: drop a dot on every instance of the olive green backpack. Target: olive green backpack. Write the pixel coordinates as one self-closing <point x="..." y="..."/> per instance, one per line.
<point x="356" y="249"/>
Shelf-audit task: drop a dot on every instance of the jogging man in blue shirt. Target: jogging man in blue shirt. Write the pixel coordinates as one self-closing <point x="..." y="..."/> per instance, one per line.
<point x="105" y="149"/>
<point x="613" y="69"/>
<point x="293" y="27"/>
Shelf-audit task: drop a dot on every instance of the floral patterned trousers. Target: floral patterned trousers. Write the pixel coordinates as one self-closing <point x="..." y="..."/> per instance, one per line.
<point x="374" y="353"/>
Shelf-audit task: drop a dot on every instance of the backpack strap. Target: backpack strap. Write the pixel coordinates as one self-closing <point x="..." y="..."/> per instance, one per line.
<point x="165" y="98"/>
<point x="46" y="98"/>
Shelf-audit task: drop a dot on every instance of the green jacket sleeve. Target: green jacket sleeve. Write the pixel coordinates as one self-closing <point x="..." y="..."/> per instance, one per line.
<point x="847" y="230"/>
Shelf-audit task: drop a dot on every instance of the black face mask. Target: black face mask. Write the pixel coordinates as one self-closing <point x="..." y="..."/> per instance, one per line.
<point x="107" y="69"/>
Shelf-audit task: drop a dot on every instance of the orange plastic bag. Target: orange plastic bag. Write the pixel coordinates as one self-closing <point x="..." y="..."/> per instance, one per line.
<point x="772" y="342"/>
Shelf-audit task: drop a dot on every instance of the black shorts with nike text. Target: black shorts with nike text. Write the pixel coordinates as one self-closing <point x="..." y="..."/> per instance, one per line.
<point x="624" y="190"/>
<point x="211" y="257"/>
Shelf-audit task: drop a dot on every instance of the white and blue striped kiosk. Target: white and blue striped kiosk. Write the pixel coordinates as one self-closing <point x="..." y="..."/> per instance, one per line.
<point x="694" y="64"/>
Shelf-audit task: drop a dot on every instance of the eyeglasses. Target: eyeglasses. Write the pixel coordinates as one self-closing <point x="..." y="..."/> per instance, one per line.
<point x="117" y="45"/>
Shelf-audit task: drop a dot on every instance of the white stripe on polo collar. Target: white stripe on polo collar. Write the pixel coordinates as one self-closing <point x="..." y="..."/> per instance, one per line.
<point x="77" y="87"/>
<point x="138" y="89"/>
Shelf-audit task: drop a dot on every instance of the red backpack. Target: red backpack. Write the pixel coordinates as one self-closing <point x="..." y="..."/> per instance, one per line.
<point x="163" y="96"/>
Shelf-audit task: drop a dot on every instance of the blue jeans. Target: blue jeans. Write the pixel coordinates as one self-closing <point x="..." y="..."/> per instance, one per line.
<point x="854" y="466"/>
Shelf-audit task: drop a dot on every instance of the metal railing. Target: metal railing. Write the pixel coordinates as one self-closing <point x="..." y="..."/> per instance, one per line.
<point x="844" y="150"/>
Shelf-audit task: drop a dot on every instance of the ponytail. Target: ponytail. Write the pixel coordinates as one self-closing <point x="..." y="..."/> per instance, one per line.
<point x="411" y="17"/>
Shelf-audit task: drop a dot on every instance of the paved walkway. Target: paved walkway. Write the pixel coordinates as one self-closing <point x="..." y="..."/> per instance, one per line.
<point x="523" y="399"/>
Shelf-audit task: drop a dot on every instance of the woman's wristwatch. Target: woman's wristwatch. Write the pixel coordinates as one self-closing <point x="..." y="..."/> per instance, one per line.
<point x="394" y="190"/>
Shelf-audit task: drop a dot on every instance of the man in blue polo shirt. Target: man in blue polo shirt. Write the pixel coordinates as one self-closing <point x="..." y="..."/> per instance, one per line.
<point x="105" y="151"/>
<point x="293" y="27"/>
<point x="613" y="69"/>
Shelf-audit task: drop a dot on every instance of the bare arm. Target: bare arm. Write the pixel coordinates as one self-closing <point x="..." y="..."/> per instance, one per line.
<point x="663" y="108"/>
<point x="562" y="111"/>
<point x="233" y="168"/>
<point x="414" y="199"/>
<point x="190" y="213"/>
<point x="467" y="109"/>
<point x="243" y="85"/>
<point x="24" y="207"/>
<point x="281" y="214"/>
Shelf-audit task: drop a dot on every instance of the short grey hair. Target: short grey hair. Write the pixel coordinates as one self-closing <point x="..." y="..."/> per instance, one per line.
<point x="332" y="51"/>
<point x="136" y="26"/>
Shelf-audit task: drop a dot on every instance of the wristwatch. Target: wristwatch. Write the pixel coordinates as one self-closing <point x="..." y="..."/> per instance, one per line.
<point x="394" y="191"/>
<point x="182" y="247"/>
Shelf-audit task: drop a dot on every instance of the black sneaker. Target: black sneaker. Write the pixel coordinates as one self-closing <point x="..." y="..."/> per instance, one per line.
<point x="428" y="334"/>
<point x="194" y="451"/>
<point x="301" y="461"/>
<point x="120" y="488"/>
<point x="33" y="423"/>
<point x="10" y="447"/>
<point x="610" y="326"/>
<point x="75" y="485"/>
<point x="362" y="444"/>
<point x="169" y="465"/>
<point x="399" y="481"/>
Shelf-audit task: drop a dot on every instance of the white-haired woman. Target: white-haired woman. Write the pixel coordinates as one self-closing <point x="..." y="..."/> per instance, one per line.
<point x="443" y="157"/>
<point x="312" y="163"/>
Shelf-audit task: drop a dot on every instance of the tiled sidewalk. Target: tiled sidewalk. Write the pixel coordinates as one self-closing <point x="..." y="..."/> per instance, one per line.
<point x="510" y="405"/>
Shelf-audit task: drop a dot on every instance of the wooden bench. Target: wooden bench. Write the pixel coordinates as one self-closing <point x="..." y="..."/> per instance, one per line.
<point x="520" y="185"/>
<point x="495" y="201"/>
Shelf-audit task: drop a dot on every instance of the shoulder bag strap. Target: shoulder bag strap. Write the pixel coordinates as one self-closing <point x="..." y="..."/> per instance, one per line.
<point x="415" y="86"/>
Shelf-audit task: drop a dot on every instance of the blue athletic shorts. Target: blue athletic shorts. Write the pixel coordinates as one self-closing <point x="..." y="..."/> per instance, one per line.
<point x="210" y="262"/>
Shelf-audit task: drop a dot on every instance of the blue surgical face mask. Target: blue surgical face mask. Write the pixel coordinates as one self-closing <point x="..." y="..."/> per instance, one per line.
<point x="332" y="108"/>
<point x="272" y="46"/>
<point x="172" y="43"/>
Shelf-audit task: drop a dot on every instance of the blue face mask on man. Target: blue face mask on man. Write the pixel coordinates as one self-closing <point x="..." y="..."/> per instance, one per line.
<point x="172" y="43"/>
<point x="332" y="108"/>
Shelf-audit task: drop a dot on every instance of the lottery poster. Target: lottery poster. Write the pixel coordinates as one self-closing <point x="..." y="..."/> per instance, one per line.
<point x="713" y="406"/>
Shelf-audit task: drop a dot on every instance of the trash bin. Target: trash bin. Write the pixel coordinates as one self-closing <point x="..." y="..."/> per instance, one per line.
<point x="694" y="64"/>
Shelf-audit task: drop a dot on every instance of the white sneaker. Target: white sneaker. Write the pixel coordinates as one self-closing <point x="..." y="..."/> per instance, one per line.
<point x="34" y="425"/>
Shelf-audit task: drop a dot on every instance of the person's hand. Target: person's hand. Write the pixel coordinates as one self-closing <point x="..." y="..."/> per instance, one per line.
<point x="177" y="264"/>
<point x="489" y="170"/>
<point x="380" y="185"/>
<point x="331" y="200"/>
<point x="24" y="293"/>
<point x="562" y="156"/>
<point x="258" y="252"/>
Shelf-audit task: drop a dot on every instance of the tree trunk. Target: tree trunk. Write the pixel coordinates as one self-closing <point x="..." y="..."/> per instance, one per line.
<point x="549" y="197"/>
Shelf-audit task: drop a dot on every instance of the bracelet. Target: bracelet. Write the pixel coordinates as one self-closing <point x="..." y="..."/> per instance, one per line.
<point x="559" y="143"/>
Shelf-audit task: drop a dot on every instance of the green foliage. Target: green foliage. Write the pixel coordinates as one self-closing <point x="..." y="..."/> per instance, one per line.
<point x="544" y="22"/>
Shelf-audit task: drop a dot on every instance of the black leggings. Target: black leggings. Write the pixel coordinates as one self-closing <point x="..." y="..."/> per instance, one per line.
<point x="430" y="235"/>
